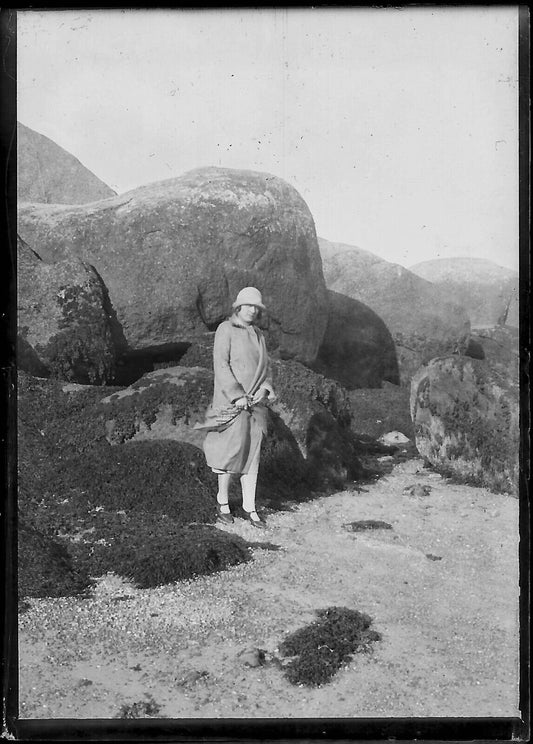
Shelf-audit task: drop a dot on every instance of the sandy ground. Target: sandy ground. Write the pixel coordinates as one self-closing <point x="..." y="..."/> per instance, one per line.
<point x="441" y="587"/>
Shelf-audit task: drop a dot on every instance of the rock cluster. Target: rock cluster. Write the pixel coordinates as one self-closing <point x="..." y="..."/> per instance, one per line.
<point x="174" y="254"/>
<point x="422" y="320"/>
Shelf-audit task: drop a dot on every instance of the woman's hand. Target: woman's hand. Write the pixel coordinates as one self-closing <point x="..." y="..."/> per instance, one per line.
<point x="241" y="403"/>
<point x="263" y="394"/>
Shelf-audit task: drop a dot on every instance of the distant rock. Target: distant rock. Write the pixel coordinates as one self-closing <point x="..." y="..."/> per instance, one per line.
<point x="328" y="249"/>
<point x="423" y="322"/>
<point x="487" y="291"/>
<point x="466" y="419"/>
<point x="357" y="349"/>
<point x="46" y="173"/>
<point x="174" y="254"/>
<point x="64" y="320"/>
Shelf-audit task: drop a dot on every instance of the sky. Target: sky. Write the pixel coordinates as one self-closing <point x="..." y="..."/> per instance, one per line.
<point x="398" y="126"/>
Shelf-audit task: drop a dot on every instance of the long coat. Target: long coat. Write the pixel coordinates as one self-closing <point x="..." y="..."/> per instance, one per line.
<point x="241" y="367"/>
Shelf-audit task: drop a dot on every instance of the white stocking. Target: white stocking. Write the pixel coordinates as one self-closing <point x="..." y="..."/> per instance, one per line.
<point x="248" y="485"/>
<point x="223" y="491"/>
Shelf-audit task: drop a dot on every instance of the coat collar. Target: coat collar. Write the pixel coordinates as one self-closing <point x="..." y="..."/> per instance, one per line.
<point x="237" y="324"/>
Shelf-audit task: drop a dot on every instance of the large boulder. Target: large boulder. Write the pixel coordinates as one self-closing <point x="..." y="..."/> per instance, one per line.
<point x="48" y="173"/>
<point x="421" y="319"/>
<point x="357" y="349"/>
<point x="65" y="322"/>
<point x="174" y="254"/>
<point x="309" y="439"/>
<point x="466" y="419"/>
<point x="487" y="291"/>
<point x="500" y="346"/>
<point x="328" y="249"/>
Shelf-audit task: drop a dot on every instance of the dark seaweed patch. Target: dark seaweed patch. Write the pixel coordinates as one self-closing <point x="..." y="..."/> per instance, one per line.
<point x="322" y="648"/>
<point x="367" y="524"/>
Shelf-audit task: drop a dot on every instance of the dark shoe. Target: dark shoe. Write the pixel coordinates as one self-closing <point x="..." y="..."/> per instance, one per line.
<point x="260" y="524"/>
<point x="226" y="518"/>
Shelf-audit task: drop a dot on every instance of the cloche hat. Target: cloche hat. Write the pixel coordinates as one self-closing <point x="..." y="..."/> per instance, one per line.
<point x="249" y="296"/>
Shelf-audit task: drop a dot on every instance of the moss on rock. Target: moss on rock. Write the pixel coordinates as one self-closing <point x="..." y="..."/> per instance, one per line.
<point x="297" y="386"/>
<point x="183" y="392"/>
<point x="466" y="420"/>
<point x="65" y="319"/>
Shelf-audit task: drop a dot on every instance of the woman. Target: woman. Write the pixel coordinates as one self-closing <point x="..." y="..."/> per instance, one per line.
<point x="237" y="417"/>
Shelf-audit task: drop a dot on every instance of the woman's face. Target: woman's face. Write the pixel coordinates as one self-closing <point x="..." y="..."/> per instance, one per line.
<point x="248" y="313"/>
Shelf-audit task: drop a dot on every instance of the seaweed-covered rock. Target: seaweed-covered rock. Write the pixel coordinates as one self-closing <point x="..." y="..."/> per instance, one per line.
<point x="174" y="255"/>
<point x="423" y="321"/>
<point x="167" y="403"/>
<point x="284" y="473"/>
<point x="45" y="568"/>
<point x="302" y="393"/>
<point x="48" y="173"/>
<point x="297" y="386"/>
<point x="466" y="420"/>
<point x="64" y="320"/>
<point x="65" y="460"/>
<point x="357" y="349"/>
<point x="163" y="404"/>
<point x="76" y="541"/>
<point x="141" y="509"/>
<point x="310" y="422"/>
<point x="318" y="413"/>
<point x="154" y="552"/>
<point x="500" y="346"/>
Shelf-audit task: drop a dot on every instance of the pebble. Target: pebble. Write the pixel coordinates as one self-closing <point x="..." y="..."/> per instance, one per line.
<point x="83" y="682"/>
<point x="394" y="437"/>
<point x="190" y="678"/>
<point x="252" y="657"/>
<point x="416" y="489"/>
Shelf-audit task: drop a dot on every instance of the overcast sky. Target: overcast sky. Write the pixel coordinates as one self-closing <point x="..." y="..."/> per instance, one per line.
<point x="399" y="127"/>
